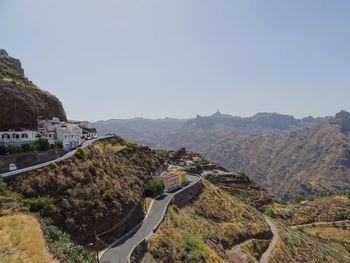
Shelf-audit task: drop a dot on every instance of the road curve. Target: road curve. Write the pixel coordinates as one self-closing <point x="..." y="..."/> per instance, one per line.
<point x="119" y="251"/>
<point x="41" y="165"/>
<point x="265" y="257"/>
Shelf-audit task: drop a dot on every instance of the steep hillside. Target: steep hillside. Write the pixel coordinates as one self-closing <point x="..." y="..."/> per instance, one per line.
<point x="294" y="246"/>
<point x="21" y="102"/>
<point x="241" y="187"/>
<point x="217" y="227"/>
<point x="207" y="230"/>
<point x="308" y="160"/>
<point x="326" y="209"/>
<point x="95" y="189"/>
<point x="335" y="235"/>
<point x="21" y="240"/>
<point x="285" y="155"/>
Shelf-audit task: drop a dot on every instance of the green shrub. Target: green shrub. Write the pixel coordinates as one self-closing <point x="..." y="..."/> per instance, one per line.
<point x="13" y="149"/>
<point x="154" y="187"/>
<point x="268" y="211"/>
<point x="3" y="187"/>
<point x="117" y="140"/>
<point x="42" y="204"/>
<point x="210" y="177"/>
<point x="64" y="248"/>
<point x="42" y="144"/>
<point x="80" y="154"/>
<point x="27" y="147"/>
<point x="194" y="250"/>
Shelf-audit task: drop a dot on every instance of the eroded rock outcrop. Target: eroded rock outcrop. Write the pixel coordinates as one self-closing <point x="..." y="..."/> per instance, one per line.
<point x="21" y="101"/>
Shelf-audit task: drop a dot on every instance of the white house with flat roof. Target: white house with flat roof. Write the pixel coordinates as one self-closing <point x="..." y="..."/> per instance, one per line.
<point x="17" y="138"/>
<point x="69" y="134"/>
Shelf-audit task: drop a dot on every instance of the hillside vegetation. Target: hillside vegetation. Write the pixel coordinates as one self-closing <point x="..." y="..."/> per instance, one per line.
<point x="218" y="227"/>
<point x="308" y="160"/>
<point x="294" y="247"/>
<point x="241" y="187"/>
<point x="326" y="209"/>
<point x="22" y="240"/>
<point x="95" y="189"/>
<point x="335" y="235"/>
<point x="207" y="229"/>
<point x="286" y="156"/>
<point x="22" y="102"/>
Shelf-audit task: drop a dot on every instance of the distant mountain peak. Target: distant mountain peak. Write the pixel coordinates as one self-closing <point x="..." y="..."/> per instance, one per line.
<point x="217" y="114"/>
<point x="343" y="119"/>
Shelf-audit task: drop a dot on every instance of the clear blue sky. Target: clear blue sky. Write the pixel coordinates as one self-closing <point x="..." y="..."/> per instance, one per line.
<point x="156" y="58"/>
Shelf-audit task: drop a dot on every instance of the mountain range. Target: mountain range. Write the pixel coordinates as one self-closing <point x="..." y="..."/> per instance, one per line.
<point x="285" y="155"/>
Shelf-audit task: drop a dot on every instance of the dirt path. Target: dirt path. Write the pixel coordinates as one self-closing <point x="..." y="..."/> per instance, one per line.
<point x="236" y="255"/>
<point x="265" y="257"/>
<point x="321" y="224"/>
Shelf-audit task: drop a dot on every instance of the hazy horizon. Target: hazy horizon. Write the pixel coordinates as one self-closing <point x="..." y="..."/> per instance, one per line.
<point x="178" y="59"/>
<point x="192" y="117"/>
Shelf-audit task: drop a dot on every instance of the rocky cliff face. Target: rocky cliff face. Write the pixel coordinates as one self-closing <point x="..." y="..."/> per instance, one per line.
<point x="21" y="102"/>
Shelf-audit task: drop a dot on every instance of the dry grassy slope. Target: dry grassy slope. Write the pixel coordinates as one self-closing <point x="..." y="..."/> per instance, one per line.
<point x="21" y="102"/>
<point x="241" y="187"/>
<point x="207" y="229"/>
<point x="294" y="247"/>
<point x="308" y="160"/>
<point x="327" y="209"/>
<point x="338" y="237"/>
<point x="21" y="240"/>
<point x="95" y="189"/>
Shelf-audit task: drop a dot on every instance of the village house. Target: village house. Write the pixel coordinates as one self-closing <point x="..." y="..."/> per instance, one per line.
<point x="173" y="179"/>
<point x="48" y="130"/>
<point x="171" y="182"/>
<point x="17" y="138"/>
<point x="69" y="134"/>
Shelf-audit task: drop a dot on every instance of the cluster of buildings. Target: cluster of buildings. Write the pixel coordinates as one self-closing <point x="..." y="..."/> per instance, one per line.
<point x="69" y="134"/>
<point x="173" y="178"/>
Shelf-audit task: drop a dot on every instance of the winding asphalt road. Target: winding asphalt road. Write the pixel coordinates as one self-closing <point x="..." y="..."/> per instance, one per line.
<point x="119" y="251"/>
<point x="62" y="158"/>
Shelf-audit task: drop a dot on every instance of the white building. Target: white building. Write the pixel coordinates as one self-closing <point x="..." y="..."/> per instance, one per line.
<point x="69" y="134"/>
<point x="17" y="138"/>
<point x="48" y="130"/>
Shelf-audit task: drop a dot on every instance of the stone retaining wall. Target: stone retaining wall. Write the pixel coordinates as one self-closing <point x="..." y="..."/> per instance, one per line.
<point x="23" y="160"/>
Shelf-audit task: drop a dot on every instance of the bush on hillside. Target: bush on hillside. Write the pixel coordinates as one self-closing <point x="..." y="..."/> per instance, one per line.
<point x="154" y="188"/>
<point x="42" y="204"/>
<point x="62" y="246"/>
<point x="3" y="187"/>
<point x="42" y="144"/>
<point x="27" y="147"/>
